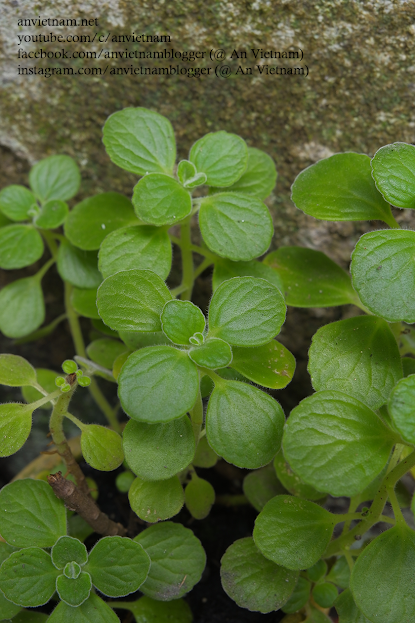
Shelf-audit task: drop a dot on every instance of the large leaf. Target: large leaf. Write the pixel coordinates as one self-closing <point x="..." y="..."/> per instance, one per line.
<point x="226" y="269"/>
<point x="340" y="188"/>
<point x="270" y="365"/>
<point x="347" y="610"/>
<point x="177" y="560"/>
<point x="22" y="307"/>
<point x="383" y="272"/>
<point x="235" y="225"/>
<point x="330" y="430"/>
<point x="20" y="246"/>
<point x="158" y="384"/>
<point x="15" y="426"/>
<point x="55" y="177"/>
<point x="310" y="278"/>
<point x="143" y="247"/>
<point x="94" y="218"/>
<point x="254" y="582"/>
<point x="140" y="141"/>
<point x="161" y="200"/>
<point x="243" y="424"/>
<point x="401" y="407"/>
<point x="132" y="300"/>
<point x="78" y="267"/>
<point x="28" y="577"/>
<point x="221" y="156"/>
<point x="16" y="201"/>
<point x="245" y="311"/>
<point x="259" y="177"/>
<point x="156" y="500"/>
<point x="293" y="533"/>
<point x="93" y="610"/>
<point x="16" y="371"/>
<point x="393" y="169"/>
<point x="358" y="356"/>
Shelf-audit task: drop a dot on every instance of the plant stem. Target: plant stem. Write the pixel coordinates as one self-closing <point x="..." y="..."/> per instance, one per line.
<point x="50" y="241"/>
<point x="399" y="518"/>
<point x="41" y="273"/>
<point x="196" y="415"/>
<point x="48" y="398"/>
<point x="205" y="264"/>
<point x="75" y="420"/>
<point x="354" y="503"/>
<point x="187" y="260"/>
<point x="104" y="405"/>
<point x="392" y="222"/>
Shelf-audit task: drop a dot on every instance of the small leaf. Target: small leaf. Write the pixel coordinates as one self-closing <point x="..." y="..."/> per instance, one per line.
<point x="243" y="424"/>
<point x="93" y="610"/>
<point x="235" y="225"/>
<point x="199" y="497"/>
<point x="132" y="300"/>
<point x="158" y="384"/>
<point x="382" y="577"/>
<point x="78" y="267"/>
<point x="158" y="451"/>
<point x="299" y="597"/>
<point x="205" y="456"/>
<point x="66" y="550"/>
<point x="16" y="201"/>
<point x="15" y="427"/>
<point x="401" y="408"/>
<point x="358" y="356"/>
<point x="94" y="218"/>
<point x="118" y="566"/>
<point x="161" y="200"/>
<point x="245" y="311"/>
<point x="22" y="307"/>
<point x="292" y="482"/>
<point x="347" y="609"/>
<point x="83" y="301"/>
<point x="105" y="351"/>
<point x="252" y="581"/>
<point x="27" y="577"/>
<point x="74" y="591"/>
<point x="45" y="378"/>
<point x="55" y="177"/>
<point x="340" y="188"/>
<point x="259" y="177"/>
<point x="310" y="278"/>
<point x="16" y="371"/>
<point x="293" y="533"/>
<point x="317" y="571"/>
<point x="260" y="486"/>
<point x="340" y="573"/>
<point x="156" y="500"/>
<point x="101" y="447"/>
<point x="118" y="364"/>
<point x="393" y="169"/>
<point x="214" y="353"/>
<point x="383" y="272"/>
<point x="180" y="320"/>
<point x="270" y="365"/>
<point x="52" y="214"/>
<point x="177" y="560"/>
<point x="186" y="171"/>
<point x="20" y="246"/>
<point x="325" y="594"/>
<point x="221" y="156"/>
<point x="226" y="269"/>
<point x="142" y="247"/>
<point x="30" y="513"/>
<point x="7" y="609"/>
<point x="147" y="610"/>
<point x="330" y="430"/>
<point x="140" y="141"/>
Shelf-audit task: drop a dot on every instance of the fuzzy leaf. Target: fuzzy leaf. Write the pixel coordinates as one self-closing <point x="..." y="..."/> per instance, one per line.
<point x="55" y="177"/>
<point x="147" y="610"/>
<point x="226" y="269"/>
<point x="292" y="482"/>
<point x="15" y="427"/>
<point x="84" y="302"/>
<point x="78" y="267"/>
<point x="221" y="156"/>
<point x="401" y="408"/>
<point x="22" y="307"/>
<point x="259" y="177"/>
<point x="214" y="353"/>
<point x="180" y="320"/>
<point x="52" y="214"/>
<point x="156" y="500"/>
<point x="159" y="199"/>
<point x="199" y="497"/>
<point x="299" y="597"/>
<point x="67" y="549"/>
<point x="101" y="447"/>
<point x="105" y="351"/>
<point x="16" y="371"/>
<point x="20" y="246"/>
<point x="93" y="610"/>
<point x="393" y="169"/>
<point x="16" y="201"/>
<point x="74" y="591"/>
<point x="46" y="378"/>
<point x="28" y="577"/>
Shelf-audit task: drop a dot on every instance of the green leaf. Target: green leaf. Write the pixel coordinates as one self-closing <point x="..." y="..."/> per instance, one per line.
<point x="159" y="199"/>
<point x="177" y="560"/>
<point x="135" y="340"/>
<point x="74" y="591"/>
<point x="401" y="408"/>
<point x="243" y="424"/>
<point x="205" y="456"/>
<point x="260" y="486"/>
<point x="140" y="141"/>
<point x="101" y="447"/>
<point x="78" y="527"/>
<point x="186" y="171"/>
<point x="31" y="514"/>
<point x="214" y="353"/>
<point x="45" y="378"/>
<point x="147" y="610"/>
<point x="158" y="451"/>
<point x="299" y="597"/>
<point x="52" y="214"/>
<point x="270" y="365"/>
<point x="310" y="278"/>
<point x="55" y="177"/>
<point x="408" y="366"/>
<point x="7" y="609"/>
<point x="22" y="307"/>
<point x="235" y="226"/>
<point x="105" y="351"/>
<point x="83" y="301"/>
<point x="30" y="616"/>
<point x="221" y="156"/>
<point x="382" y="577"/>
<point x="293" y="533"/>
<point x="358" y="356"/>
<point x="102" y="328"/>
<point x="94" y="218"/>
<point x="15" y="427"/>
<point x="292" y="482"/>
<point x="199" y="497"/>
<point x="317" y="571"/>
<point x="16" y="371"/>
<point x="78" y="267"/>
<point x="66" y="550"/>
<point x="132" y="300"/>
<point x="330" y="430"/>
<point x="16" y="201"/>
<point x="156" y="500"/>
<point x="252" y="581"/>
<point x="27" y="577"/>
<point x="93" y="610"/>
<point x="340" y="188"/>
<point x="340" y="573"/>
<point x="141" y="246"/>
<point x="245" y="311"/>
<point x="259" y="177"/>
<point x="226" y="269"/>
<point x="317" y="616"/>
<point x="393" y="169"/>
<point x="118" y="566"/>
<point x="6" y="550"/>
<point x="20" y="246"/>
<point x="383" y="272"/>
<point x="325" y="594"/>
<point x="158" y="384"/>
<point x="180" y="320"/>
<point x="347" y="610"/>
